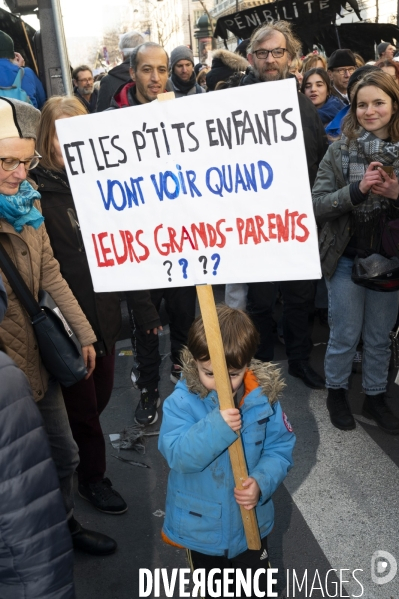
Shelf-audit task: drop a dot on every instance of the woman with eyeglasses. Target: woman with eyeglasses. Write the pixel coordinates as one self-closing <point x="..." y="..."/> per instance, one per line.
<point x="317" y="87"/>
<point x="23" y="236"/>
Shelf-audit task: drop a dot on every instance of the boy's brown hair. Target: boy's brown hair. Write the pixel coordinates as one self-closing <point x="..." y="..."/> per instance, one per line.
<point x="239" y="335"/>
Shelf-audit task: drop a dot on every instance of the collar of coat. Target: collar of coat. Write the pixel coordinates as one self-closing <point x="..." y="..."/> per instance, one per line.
<point x="259" y="374"/>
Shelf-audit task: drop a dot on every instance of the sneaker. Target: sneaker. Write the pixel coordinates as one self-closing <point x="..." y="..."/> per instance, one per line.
<point x="103" y="496"/>
<point x="340" y="414"/>
<point x="146" y="411"/>
<point x="175" y="373"/>
<point x="375" y="407"/>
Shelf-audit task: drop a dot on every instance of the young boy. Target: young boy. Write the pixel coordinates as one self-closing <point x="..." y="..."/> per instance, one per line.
<point x="202" y="503"/>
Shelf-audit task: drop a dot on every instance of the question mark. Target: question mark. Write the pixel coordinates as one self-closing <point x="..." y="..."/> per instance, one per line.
<point x="169" y="269"/>
<point x="203" y="259"/>
<point x="215" y="257"/>
<point x="183" y="262"/>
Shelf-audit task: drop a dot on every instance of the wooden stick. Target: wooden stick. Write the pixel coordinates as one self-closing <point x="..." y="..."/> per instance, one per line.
<point x="30" y="48"/>
<point x="223" y="387"/>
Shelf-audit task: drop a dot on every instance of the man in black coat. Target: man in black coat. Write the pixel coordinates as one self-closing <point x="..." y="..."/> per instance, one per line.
<point x="270" y="52"/>
<point x="119" y="74"/>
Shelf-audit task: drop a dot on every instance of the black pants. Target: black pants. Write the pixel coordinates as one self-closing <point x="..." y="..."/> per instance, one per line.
<point x="297" y="301"/>
<point x="180" y="307"/>
<point x="250" y="559"/>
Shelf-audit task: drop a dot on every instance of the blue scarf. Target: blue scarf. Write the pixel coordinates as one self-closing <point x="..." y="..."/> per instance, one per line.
<point x="18" y="209"/>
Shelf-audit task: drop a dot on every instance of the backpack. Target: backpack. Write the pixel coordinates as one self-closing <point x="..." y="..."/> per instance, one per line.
<point x="16" y="91"/>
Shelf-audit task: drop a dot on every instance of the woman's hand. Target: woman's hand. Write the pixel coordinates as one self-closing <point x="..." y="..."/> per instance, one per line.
<point x="232" y="417"/>
<point x="248" y="497"/>
<point x="89" y="357"/>
<point x="371" y="177"/>
<point x="155" y="331"/>
<point x="388" y="187"/>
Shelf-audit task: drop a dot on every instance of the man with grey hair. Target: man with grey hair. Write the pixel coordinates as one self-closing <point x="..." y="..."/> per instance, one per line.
<point x="119" y="74"/>
<point x="270" y="52"/>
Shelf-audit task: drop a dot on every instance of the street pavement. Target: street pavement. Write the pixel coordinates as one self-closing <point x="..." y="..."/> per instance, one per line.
<point x="335" y="510"/>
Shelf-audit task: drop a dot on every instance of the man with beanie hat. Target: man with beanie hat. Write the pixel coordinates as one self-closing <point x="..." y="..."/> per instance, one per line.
<point x="9" y="71"/>
<point x="341" y="65"/>
<point x="183" y="80"/>
<point x="386" y="51"/>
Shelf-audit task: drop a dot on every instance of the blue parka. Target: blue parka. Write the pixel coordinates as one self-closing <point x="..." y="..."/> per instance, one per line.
<point x="30" y="83"/>
<point x="201" y="511"/>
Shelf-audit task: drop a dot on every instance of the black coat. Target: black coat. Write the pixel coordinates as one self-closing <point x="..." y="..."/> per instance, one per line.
<point x="36" y="557"/>
<point x="102" y="310"/>
<point x="111" y="83"/>
<point x="316" y="143"/>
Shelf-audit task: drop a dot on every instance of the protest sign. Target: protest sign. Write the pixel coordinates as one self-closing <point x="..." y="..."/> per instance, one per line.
<point x="208" y="189"/>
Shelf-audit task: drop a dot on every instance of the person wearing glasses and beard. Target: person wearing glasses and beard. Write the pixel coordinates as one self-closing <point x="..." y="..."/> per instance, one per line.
<point x="271" y="50"/>
<point x="84" y="90"/>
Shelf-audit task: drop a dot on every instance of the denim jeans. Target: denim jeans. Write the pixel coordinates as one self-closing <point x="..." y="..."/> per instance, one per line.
<point x="355" y="311"/>
<point x="64" y="450"/>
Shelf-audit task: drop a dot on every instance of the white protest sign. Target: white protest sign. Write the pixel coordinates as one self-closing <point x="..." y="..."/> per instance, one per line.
<point x="212" y="189"/>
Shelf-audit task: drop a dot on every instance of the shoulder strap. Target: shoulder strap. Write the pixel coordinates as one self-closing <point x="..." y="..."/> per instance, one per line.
<point x="19" y="286"/>
<point x="18" y="78"/>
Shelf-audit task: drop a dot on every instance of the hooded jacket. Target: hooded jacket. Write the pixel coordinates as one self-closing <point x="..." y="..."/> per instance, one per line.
<point x="116" y="77"/>
<point x="313" y="131"/>
<point x="201" y="512"/>
<point x="125" y="96"/>
<point x="30" y="83"/>
<point x="36" y="557"/>
<point x="330" y="109"/>
<point x="224" y="65"/>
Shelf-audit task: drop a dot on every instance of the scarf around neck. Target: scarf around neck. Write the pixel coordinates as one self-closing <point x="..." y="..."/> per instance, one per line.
<point x="18" y="209"/>
<point x="356" y="157"/>
<point x="183" y="86"/>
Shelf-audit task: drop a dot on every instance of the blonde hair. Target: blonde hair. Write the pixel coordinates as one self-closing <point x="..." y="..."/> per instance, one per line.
<point x="310" y="62"/>
<point x="384" y="82"/>
<point x="55" y="108"/>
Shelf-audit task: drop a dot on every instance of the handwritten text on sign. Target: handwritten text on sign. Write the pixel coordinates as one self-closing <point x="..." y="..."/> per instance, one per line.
<point x="211" y="188"/>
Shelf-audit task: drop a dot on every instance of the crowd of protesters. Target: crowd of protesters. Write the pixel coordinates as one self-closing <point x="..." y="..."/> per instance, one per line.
<point x="350" y="119"/>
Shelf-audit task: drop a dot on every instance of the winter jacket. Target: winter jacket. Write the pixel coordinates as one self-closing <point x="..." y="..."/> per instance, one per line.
<point x="332" y="206"/>
<point x="92" y="104"/>
<point x="224" y="65"/>
<point x="171" y="87"/>
<point x="31" y="252"/>
<point x="328" y="111"/>
<point x="333" y="130"/>
<point x="125" y="96"/>
<point x="102" y="310"/>
<point x="36" y="558"/>
<point x="111" y="83"/>
<point x="30" y="83"/>
<point x="3" y="300"/>
<point x="313" y="130"/>
<point x="201" y="512"/>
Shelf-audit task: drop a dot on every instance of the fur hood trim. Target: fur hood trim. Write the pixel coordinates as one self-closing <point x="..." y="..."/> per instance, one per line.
<point x="231" y="60"/>
<point x="267" y="374"/>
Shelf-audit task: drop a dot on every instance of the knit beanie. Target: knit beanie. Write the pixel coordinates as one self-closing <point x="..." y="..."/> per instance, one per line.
<point x="6" y="46"/>
<point x="18" y="119"/>
<point x="180" y="53"/>
<point x="382" y="47"/>
<point x="341" y="58"/>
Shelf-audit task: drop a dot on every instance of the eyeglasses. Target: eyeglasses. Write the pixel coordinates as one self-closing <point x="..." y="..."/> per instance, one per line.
<point x="349" y="70"/>
<point x="276" y="53"/>
<point x="87" y="80"/>
<point x="10" y="164"/>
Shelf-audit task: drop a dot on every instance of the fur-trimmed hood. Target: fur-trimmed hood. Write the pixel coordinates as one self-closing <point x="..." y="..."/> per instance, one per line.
<point x="234" y="61"/>
<point x="267" y="375"/>
<point x="224" y="65"/>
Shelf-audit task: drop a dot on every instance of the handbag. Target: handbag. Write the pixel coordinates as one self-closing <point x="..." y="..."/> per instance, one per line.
<point x="59" y="348"/>
<point x="390" y="238"/>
